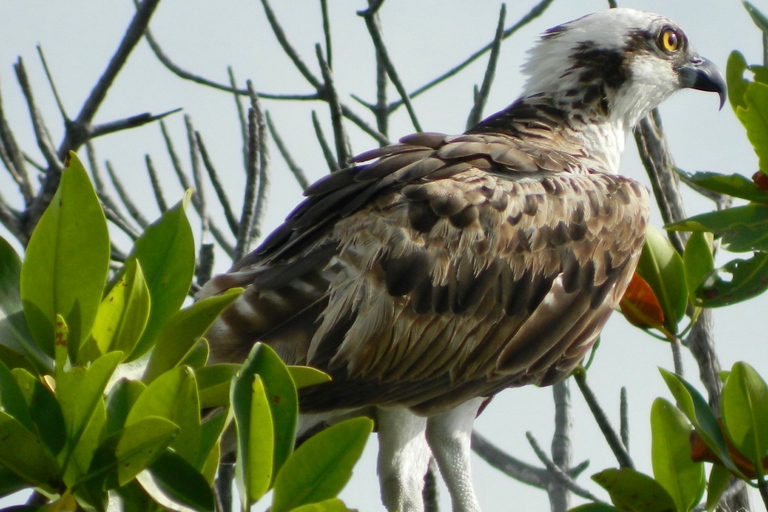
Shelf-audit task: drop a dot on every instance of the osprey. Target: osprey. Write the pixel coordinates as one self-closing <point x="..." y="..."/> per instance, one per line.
<point x="433" y="273"/>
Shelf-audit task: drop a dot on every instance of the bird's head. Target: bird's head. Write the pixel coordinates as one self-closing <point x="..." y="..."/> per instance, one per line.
<point x="621" y="62"/>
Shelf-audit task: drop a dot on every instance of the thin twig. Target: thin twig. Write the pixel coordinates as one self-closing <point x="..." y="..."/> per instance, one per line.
<point x="330" y="160"/>
<point x="343" y="149"/>
<point x="111" y="209"/>
<point x="297" y="171"/>
<point x="128" y="123"/>
<point x="49" y="76"/>
<point x="13" y="158"/>
<point x="242" y="246"/>
<point x="624" y="417"/>
<point x="429" y="494"/>
<point x="240" y="116"/>
<point x="327" y="32"/>
<point x="162" y="204"/>
<point x="562" y="478"/>
<point x="507" y="464"/>
<point x="614" y="441"/>
<point x="133" y="211"/>
<point x="534" y="13"/>
<point x="677" y="356"/>
<point x="217" y="186"/>
<point x="481" y="96"/>
<point x="378" y="42"/>
<point x="562" y="448"/>
<point x="260" y="209"/>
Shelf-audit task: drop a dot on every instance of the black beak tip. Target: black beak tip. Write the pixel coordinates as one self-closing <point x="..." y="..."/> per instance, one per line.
<point x="703" y="75"/>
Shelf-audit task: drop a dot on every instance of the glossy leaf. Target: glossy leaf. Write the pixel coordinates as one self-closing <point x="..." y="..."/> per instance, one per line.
<point x="79" y="459"/>
<point x="594" y="507"/>
<point x="754" y="119"/>
<point x="640" y="305"/>
<point x="125" y="454"/>
<point x="120" y="401"/>
<point x="305" y="376"/>
<point x="172" y="396"/>
<point x="213" y="383"/>
<point x="757" y="17"/>
<point x="79" y="392"/>
<point x="123" y="313"/>
<point x="673" y="467"/>
<point x="173" y="483"/>
<point x="745" y="412"/>
<point x="332" y="505"/>
<point x="719" y="478"/>
<point x="66" y="263"/>
<point x="321" y="467"/>
<point x="734" y="185"/>
<point x="736" y="281"/>
<point x="24" y="453"/>
<point x="632" y="491"/>
<point x="742" y="228"/>
<point x="255" y="438"/>
<point x="14" y="334"/>
<point x="210" y="434"/>
<point x="183" y="330"/>
<point x="734" y="76"/>
<point x="698" y="412"/>
<point x="698" y="261"/>
<point x="662" y="268"/>
<point x="197" y="357"/>
<point x="166" y="253"/>
<point x="44" y="410"/>
<point x="12" y="400"/>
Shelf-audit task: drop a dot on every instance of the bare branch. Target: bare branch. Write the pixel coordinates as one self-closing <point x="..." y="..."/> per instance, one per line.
<point x="614" y="441"/>
<point x="249" y="197"/>
<point x="677" y="356"/>
<point x="48" y="75"/>
<point x="217" y="186"/>
<point x="162" y="205"/>
<point x="13" y="158"/>
<point x="263" y="151"/>
<point x="343" y="149"/>
<point x="38" y="124"/>
<point x="381" y="49"/>
<point x="128" y="123"/>
<point x="624" y="417"/>
<point x="330" y="160"/>
<point x="111" y="209"/>
<point x="297" y="171"/>
<point x="430" y="493"/>
<point x="481" y="96"/>
<point x="562" y="448"/>
<point x="327" y="32"/>
<point x="562" y="478"/>
<point x="240" y="116"/>
<point x="534" y="13"/>
<point x="508" y="464"/>
<point x="133" y="211"/>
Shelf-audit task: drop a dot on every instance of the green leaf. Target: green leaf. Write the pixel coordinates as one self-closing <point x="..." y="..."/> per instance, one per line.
<point x="83" y="453"/>
<point x="757" y="17"/>
<point x="734" y="76"/>
<point x="736" y="281"/>
<point x="66" y="263"/>
<point x="305" y="376"/>
<point x="213" y="384"/>
<point x="183" y="330"/>
<point x="14" y="334"/>
<point x="79" y="393"/>
<point x="321" y="467"/>
<point x="673" y="467"/>
<point x="166" y="252"/>
<point x="24" y="453"/>
<point x="719" y="478"/>
<point x="44" y="410"/>
<point x="255" y="439"/>
<point x="662" y="268"/>
<point x="698" y="261"/>
<point x="123" y="313"/>
<point x="698" y="412"/>
<point x="755" y="119"/>
<point x="171" y="481"/>
<point x="282" y="398"/>
<point x="131" y="450"/>
<point x="734" y="185"/>
<point x="121" y="399"/>
<point x="173" y="396"/>
<point x="211" y="432"/>
<point x="743" y="228"/>
<point x="594" y="507"/>
<point x="197" y="357"/>
<point x="332" y="505"/>
<point x="12" y="399"/>
<point x="745" y="413"/>
<point x="632" y="491"/>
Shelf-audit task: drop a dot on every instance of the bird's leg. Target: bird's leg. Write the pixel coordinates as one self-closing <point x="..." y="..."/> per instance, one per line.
<point x="449" y="435"/>
<point x="403" y="459"/>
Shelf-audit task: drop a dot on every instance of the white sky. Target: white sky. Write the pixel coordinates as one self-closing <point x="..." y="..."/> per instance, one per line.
<point x="424" y="39"/>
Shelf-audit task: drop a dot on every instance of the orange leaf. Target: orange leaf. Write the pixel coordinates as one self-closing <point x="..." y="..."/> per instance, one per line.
<point x="640" y="305"/>
<point x="700" y="452"/>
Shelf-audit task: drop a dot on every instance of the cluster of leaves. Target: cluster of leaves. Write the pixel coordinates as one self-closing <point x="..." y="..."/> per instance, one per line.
<point x="79" y="430"/>
<point x="685" y="437"/>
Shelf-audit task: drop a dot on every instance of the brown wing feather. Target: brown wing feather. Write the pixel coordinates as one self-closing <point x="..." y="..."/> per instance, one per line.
<point x="451" y="267"/>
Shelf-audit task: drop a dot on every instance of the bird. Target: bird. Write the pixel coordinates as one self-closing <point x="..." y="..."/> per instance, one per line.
<point x="435" y="272"/>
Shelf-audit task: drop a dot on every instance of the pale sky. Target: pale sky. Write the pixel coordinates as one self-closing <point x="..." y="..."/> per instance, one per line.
<point x="424" y="39"/>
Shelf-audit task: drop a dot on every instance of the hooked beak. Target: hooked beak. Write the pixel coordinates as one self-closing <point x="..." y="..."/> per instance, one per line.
<point x="702" y="74"/>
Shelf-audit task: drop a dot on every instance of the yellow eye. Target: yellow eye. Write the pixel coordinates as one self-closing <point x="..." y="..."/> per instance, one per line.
<point x="670" y="41"/>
